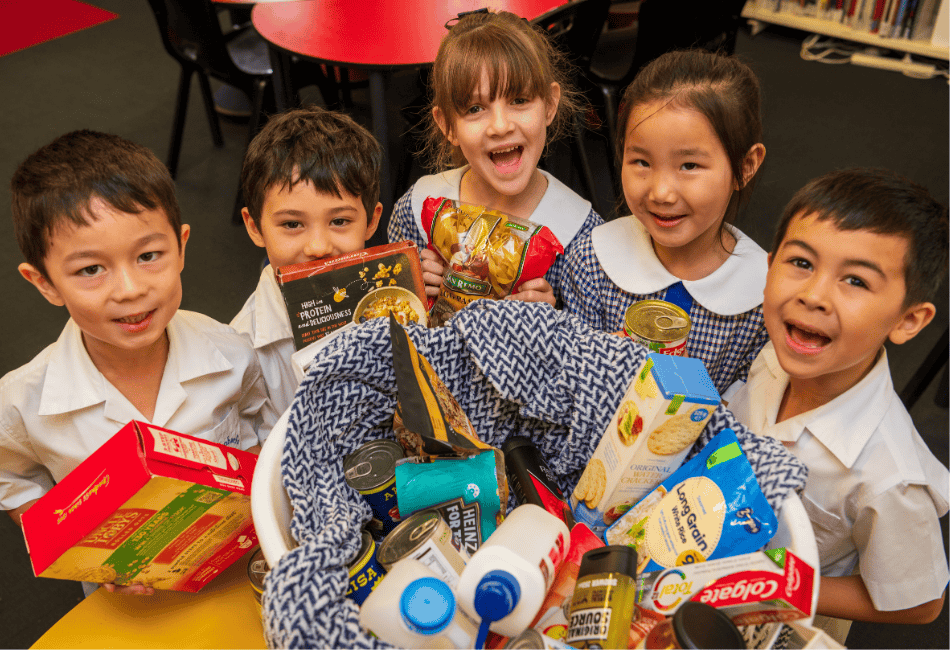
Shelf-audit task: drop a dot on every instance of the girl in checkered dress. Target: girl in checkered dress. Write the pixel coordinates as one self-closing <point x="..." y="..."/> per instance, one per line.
<point x="499" y="95"/>
<point x="689" y="135"/>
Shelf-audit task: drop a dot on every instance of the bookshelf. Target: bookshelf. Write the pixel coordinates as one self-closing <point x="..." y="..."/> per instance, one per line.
<point x="760" y="10"/>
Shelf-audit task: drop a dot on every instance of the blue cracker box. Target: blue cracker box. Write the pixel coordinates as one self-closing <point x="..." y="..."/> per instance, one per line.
<point x="663" y="412"/>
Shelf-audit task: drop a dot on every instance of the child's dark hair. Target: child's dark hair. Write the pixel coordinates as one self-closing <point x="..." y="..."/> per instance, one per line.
<point x="885" y="203"/>
<point x="520" y="60"/>
<point x="721" y="88"/>
<point x="326" y="148"/>
<point x="56" y="184"/>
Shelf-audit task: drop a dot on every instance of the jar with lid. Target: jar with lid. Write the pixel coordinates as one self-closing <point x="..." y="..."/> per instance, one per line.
<point x="695" y="625"/>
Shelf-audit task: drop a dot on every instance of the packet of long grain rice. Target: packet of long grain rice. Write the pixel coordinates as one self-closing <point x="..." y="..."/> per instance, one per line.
<point x="437" y="435"/>
<point x="709" y="508"/>
<point x="487" y="253"/>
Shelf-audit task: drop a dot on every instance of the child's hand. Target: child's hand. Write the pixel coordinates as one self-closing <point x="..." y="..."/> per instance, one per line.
<point x="432" y="271"/>
<point x="134" y="590"/>
<point x="537" y="290"/>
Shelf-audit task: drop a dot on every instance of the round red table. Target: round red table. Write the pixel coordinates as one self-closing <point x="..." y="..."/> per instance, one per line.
<point x="378" y="36"/>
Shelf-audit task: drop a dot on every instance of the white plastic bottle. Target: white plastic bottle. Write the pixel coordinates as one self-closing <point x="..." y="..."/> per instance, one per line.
<point x="506" y="579"/>
<point x="412" y="607"/>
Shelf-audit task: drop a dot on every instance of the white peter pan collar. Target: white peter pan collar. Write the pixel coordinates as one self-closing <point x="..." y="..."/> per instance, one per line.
<point x="271" y="321"/>
<point x="561" y="209"/>
<point x="625" y="251"/>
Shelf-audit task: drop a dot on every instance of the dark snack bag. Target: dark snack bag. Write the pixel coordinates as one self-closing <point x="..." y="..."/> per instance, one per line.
<point x="429" y="423"/>
<point x="487" y="253"/>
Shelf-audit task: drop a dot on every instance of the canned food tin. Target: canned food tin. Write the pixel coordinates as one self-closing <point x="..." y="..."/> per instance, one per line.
<point x="425" y="537"/>
<point x="371" y="471"/>
<point x="256" y="571"/>
<point x="365" y="570"/>
<point x="659" y="325"/>
<point x="531" y="638"/>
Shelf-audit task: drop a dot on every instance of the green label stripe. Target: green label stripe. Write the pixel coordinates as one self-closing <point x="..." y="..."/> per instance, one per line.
<point x="646" y="369"/>
<point x="524" y="247"/>
<point x="675" y="404"/>
<point x="723" y="454"/>
<point x="465" y="285"/>
<point x="777" y="555"/>
<point x="161" y="529"/>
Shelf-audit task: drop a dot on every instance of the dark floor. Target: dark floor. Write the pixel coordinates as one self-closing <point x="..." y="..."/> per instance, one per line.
<point x="116" y="77"/>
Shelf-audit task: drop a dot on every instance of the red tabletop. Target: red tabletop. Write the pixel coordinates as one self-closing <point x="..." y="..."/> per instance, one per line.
<point x="372" y="33"/>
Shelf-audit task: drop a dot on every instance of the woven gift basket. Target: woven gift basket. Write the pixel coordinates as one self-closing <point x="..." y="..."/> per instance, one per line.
<point x="515" y="368"/>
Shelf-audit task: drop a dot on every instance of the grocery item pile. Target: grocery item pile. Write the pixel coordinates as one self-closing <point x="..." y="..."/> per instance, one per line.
<point x="512" y="380"/>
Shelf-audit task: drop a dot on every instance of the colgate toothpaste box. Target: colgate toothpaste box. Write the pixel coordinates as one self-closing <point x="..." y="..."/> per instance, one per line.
<point x="150" y="506"/>
<point x="760" y="587"/>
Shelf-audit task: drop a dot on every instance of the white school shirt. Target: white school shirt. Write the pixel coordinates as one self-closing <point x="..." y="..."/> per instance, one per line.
<point x="58" y="408"/>
<point x="264" y="322"/>
<point x="874" y="493"/>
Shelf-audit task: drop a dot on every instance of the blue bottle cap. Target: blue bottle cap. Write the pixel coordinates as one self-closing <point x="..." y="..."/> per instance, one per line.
<point x="427" y="606"/>
<point x="496" y="595"/>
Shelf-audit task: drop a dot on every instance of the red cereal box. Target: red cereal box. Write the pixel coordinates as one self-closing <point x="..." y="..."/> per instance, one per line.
<point x="150" y="506"/>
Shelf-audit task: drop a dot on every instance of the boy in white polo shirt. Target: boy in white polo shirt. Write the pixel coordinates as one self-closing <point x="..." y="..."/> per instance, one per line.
<point x="97" y="220"/>
<point x="857" y="258"/>
<point x="310" y="182"/>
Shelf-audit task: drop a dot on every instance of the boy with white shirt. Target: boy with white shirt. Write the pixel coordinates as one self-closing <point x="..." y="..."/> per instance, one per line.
<point x="97" y="220"/>
<point x="857" y="258"/>
<point x="310" y="180"/>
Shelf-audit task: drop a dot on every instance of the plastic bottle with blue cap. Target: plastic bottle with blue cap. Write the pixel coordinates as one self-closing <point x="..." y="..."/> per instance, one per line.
<point x="413" y="608"/>
<point x="505" y="581"/>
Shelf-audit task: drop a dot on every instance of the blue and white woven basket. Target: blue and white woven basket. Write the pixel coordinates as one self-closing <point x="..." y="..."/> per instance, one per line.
<point x="515" y="368"/>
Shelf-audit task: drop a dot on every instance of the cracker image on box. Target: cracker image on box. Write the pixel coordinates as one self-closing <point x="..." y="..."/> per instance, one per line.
<point x="664" y="410"/>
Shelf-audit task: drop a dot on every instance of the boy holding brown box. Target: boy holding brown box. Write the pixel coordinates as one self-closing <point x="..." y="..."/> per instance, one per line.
<point x="856" y="260"/>
<point x="97" y="220"/>
<point x="311" y="183"/>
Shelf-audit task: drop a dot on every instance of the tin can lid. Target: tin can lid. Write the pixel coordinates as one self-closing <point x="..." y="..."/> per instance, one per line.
<point x="372" y="464"/>
<point x="407" y="536"/>
<point x="657" y="320"/>
<point x="698" y="625"/>
<point x="427" y="605"/>
<point x="257" y="569"/>
<point x="609" y="559"/>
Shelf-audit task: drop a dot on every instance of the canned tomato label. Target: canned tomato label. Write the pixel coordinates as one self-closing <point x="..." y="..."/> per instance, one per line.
<point x="256" y="571"/>
<point x="659" y="325"/>
<point x="365" y="571"/>
<point x="371" y="471"/>
<point x="427" y="538"/>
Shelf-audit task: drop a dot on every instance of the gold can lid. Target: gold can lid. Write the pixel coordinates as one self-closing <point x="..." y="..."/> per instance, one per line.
<point x="657" y="320"/>
<point x="256" y="570"/>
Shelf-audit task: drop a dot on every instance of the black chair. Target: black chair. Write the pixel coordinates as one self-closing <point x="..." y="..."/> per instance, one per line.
<point x="575" y="29"/>
<point x="192" y="35"/>
<point x="935" y="360"/>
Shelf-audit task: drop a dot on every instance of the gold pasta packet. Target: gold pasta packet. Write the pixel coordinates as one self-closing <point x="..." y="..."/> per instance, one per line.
<point x="487" y="253"/>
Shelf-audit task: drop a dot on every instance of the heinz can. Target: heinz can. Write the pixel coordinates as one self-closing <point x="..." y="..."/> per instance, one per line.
<point x="426" y="537"/>
<point x="659" y="325"/>
<point x="371" y="471"/>
<point x="365" y="570"/>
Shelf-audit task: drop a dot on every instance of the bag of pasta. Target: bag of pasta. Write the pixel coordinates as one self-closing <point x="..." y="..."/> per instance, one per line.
<point x="487" y="253"/>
